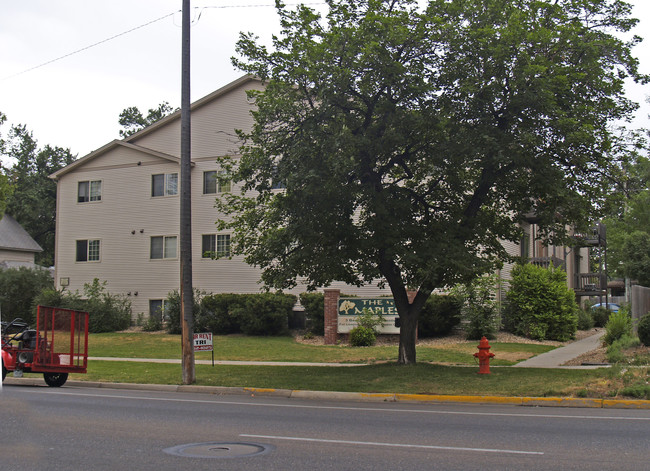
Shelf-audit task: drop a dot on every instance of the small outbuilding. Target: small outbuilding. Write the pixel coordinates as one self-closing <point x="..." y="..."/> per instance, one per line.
<point x="17" y="248"/>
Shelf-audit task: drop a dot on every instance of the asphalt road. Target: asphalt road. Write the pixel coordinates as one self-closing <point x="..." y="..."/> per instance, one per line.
<point x="103" y="429"/>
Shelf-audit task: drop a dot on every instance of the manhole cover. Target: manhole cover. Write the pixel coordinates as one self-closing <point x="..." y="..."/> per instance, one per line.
<point x="219" y="450"/>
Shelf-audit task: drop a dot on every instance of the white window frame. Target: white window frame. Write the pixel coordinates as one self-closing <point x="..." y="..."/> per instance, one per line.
<point x="165" y="248"/>
<point x="170" y="184"/>
<point x="93" y="191"/>
<point x="93" y="250"/>
<point x="210" y="177"/>
<point x="219" y="246"/>
<point x="223" y="245"/>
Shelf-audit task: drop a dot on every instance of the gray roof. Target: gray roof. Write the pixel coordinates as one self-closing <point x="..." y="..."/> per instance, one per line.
<point x="14" y="237"/>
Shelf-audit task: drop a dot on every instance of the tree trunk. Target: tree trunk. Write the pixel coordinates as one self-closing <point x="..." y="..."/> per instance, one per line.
<point x="407" y="337"/>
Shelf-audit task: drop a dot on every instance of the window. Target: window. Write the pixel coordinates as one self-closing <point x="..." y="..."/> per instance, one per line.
<point x="88" y="250"/>
<point x="213" y="245"/>
<point x="223" y="245"/>
<point x="212" y="183"/>
<point x="164" y="184"/>
<point x="158" y="309"/>
<point x="163" y="247"/>
<point x="90" y="190"/>
<point x="208" y="245"/>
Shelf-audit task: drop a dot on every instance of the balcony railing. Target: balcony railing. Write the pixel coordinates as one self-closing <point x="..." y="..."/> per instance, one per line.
<point x="546" y="262"/>
<point x="590" y="283"/>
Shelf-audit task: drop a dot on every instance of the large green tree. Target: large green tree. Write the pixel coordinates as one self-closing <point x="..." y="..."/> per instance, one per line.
<point x="33" y="200"/>
<point x="132" y="119"/>
<point x="5" y="186"/>
<point x="409" y="141"/>
<point x="628" y="225"/>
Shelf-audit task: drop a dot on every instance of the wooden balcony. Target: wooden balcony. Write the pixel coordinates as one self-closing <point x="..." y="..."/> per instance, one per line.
<point x="546" y="262"/>
<point x="590" y="284"/>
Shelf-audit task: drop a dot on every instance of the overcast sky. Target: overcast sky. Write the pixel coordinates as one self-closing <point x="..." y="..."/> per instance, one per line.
<point x="74" y="102"/>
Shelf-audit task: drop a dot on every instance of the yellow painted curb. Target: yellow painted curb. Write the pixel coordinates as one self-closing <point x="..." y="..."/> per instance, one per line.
<point x="626" y="404"/>
<point x="562" y="402"/>
<point x="470" y="399"/>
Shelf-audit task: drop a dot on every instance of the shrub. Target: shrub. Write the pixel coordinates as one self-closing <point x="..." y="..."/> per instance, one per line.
<point x="600" y="315"/>
<point x="266" y="314"/>
<point x="619" y="324"/>
<point x="615" y="350"/>
<point x="643" y="329"/>
<point x="585" y="320"/>
<point x="314" y="304"/>
<point x="439" y="315"/>
<point x="218" y="313"/>
<point x="18" y="289"/>
<point x="362" y="336"/>
<point x="370" y="320"/>
<point x="251" y="314"/>
<point x="479" y="307"/>
<point x="107" y="312"/>
<point x="152" y="324"/>
<point x="539" y="305"/>
<point x="173" y="311"/>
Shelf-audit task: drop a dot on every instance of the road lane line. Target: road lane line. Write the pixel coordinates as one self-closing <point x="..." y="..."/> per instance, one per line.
<point x="392" y="445"/>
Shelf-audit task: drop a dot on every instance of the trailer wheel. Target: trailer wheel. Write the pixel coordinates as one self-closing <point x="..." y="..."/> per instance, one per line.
<point x="55" y="380"/>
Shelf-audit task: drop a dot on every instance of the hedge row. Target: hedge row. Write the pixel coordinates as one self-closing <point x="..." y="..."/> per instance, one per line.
<point x="250" y="314"/>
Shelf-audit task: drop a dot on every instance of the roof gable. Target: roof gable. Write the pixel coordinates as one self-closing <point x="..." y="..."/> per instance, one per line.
<point x="128" y="142"/>
<point x="107" y="148"/>
<point x="14" y="237"/>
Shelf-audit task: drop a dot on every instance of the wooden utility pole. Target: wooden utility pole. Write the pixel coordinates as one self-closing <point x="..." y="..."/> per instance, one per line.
<point x="187" y="318"/>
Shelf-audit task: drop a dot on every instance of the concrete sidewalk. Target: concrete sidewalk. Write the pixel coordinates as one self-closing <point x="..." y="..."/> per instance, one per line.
<point x="556" y="358"/>
<point x="553" y="359"/>
<point x="226" y="362"/>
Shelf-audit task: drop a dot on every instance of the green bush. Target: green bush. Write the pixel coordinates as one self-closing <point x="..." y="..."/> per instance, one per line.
<point x="619" y="324"/>
<point x="480" y="309"/>
<point x="539" y="305"/>
<point x="615" y="350"/>
<point x="266" y="314"/>
<point x="439" y="315"/>
<point x="218" y="313"/>
<point x="643" y="329"/>
<point x="152" y="324"/>
<point x="173" y="311"/>
<point x="314" y="304"/>
<point x="362" y="336"/>
<point x="19" y="287"/>
<point x="251" y="314"/>
<point x="107" y="312"/>
<point x="601" y="316"/>
<point x="585" y="320"/>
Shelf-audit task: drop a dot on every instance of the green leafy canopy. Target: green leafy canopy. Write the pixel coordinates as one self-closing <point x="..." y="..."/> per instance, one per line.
<point x="409" y="141"/>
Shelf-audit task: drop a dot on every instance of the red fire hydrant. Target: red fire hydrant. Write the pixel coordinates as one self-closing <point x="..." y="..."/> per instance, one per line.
<point x="484" y="356"/>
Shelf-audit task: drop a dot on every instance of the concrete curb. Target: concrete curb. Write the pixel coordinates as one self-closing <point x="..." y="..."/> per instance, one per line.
<point x="356" y="396"/>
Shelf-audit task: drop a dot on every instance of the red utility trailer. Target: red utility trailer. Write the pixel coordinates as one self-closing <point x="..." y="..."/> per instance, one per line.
<point x="58" y="345"/>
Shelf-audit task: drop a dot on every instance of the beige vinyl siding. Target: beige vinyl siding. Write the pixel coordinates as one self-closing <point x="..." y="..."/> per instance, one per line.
<point x="16" y="256"/>
<point x="213" y="126"/>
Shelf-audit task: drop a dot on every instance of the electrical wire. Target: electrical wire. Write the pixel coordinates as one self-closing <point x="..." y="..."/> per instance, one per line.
<point x="89" y="46"/>
<point x="139" y="27"/>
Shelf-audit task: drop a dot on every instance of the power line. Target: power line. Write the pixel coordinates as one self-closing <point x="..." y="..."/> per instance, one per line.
<point x="137" y="28"/>
<point x="89" y="46"/>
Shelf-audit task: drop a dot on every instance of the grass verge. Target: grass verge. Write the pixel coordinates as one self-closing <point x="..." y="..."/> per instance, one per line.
<point x="388" y="377"/>
<point x="243" y="348"/>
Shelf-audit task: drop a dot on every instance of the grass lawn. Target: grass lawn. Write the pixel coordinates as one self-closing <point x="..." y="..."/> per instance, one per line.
<point x="243" y="348"/>
<point x="386" y="377"/>
<point x="449" y="368"/>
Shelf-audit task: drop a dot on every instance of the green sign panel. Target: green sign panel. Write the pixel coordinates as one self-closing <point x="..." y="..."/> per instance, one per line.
<point x="350" y="308"/>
